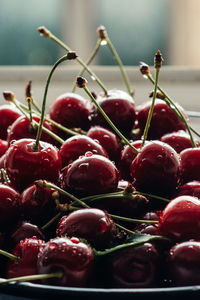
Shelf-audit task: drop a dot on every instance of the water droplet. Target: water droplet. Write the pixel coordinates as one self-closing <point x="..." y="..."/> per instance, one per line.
<point x="145" y="76"/>
<point x="88" y="154"/>
<point x="103" y="42"/>
<point x="93" y="78"/>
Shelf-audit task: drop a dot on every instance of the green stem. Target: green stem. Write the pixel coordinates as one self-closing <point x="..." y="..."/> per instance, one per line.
<point x="30" y="112"/>
<point x="39" y="132"/>
<point x="119" y="62"/>
<point x="153" y="196"/>
<point x="44" y="227"/>
<point x="124" y="228"/>
<point x="148" y="122"/>
<point x="31" y="277"/>
<point x="121" y="136"/>
<point x="88" y="62"/>
<point x="9" y="255"/>
<point x="4" y="177"/>
<point x="36" y="105"/>
<point x="130" y="220"/>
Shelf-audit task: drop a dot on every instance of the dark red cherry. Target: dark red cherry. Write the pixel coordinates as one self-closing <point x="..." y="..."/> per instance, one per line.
<point x="91" y="174"/>
<point x="10" y="201"/>
<point x="27" y="250"/>
<point x="92" y="224"/>
<point x="191" y="188"/>
<point x="71" y="110"/>
<point x="127" y="156"/>
<point x="184" y="263"/>
<point x="78" y="145"/>
<point x="178" y="140"/>
<point x="21" y="128"/>
<point x="119" y="107"/>
<point x="149" y="228"/>
<point x="2" y="159"/>
<point x="37" y="204"/>
<point x="3" y="147"/>
<point x="108" y="140"/>
<point x="190" y="164"/>
<point x="69" y="256"/>
<point x="180" y="218"/>
<point x="134" y="267"/>
<point x="24" y="165"/>
<point x="8" y="114"/>
<point x="164" y="120"/>
<point x="156" y="169"/>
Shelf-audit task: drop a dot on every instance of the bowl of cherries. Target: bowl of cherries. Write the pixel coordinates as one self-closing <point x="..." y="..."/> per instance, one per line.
<point x="99" y="197"/>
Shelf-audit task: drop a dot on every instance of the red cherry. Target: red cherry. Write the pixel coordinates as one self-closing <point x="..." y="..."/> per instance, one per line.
<point x="71" y="257"/>
<point x="156" y="169"/>
<point x="91" y="174"/>
<point x="149" y="228"/>
<point x="8" y="114"/>
<point x="78" y="145"/>
<point x="119" y="107"/>
<point x="21" y="128"/>
<point x="92" y="224"/>
<point x="27" y="250"/>
<point x="190" y="164"/>
<point x="24" y="165"/>
<point x="180" y="218"/>
<point x="184" y="263"/>
<point x="70" y="110"/>
<point x="108" y="140"/>
<point x="3" y="147"/>
<point x="164" y="120"/>
<point x="178" y="140"/>
<point x="191" y="188"/>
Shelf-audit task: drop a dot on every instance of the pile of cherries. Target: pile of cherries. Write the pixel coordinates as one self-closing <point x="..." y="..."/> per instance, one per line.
<point x="94" y="206"/>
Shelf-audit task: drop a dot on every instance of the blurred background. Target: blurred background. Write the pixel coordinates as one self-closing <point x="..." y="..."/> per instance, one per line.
<point x="137" y="28"/>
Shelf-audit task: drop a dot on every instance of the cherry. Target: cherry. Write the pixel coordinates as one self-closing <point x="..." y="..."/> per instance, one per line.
<point x="22" y="128"/>
<point x="3" y="147"/>
<point x="184" y="263"/>
<point x="191" y="188"/>
<point x="119" y="107"/>
<point x="180" y="218"/>
<point x="27" y="250"/>
<point x="37" y="204"/>
<point x="70" y="110"/>
<point x="92" y="224"/>
<point x="178" y="140"/>
<point x="108" y="140"/>
<point x="164" y="120"/>
<point x="149" y="228"/>
<point x="91" y="174"/>
<point x="70" y="256"/>
<point x="135" y="267"/>
<point x="190" y="164"/>
<point x="24" y="165"/>
<point x="78" y="145"/>
<point x="156" y="169"/>
<point x="2" y="159"/>
<point x="8" y="114"/>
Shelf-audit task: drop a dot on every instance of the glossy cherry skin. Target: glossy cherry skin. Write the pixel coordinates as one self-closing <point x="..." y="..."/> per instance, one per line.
<point x="149" y="228"/>
<point x="190" y="164"/>
<point x="37" y="204"/>
<point x="24" y="165"/>
<point x="91" y="174"/>
<point x="178" y="140"/>
<point x="78" y="145"/>
<point x="108" y="140"/>
<point x="127" y="156"/>
<point x="69" y="256"/>
<point x="164" y="120"/>
<point x="27" y="250"/>
<point x="3" y="147"/>
<point x="92" y="224"/>
<point x="184" y="263"/>
<point x="119" y="107"/>
<point x="71" y="110"/>
<point x="10" y="201"/>
<point x="21" y="128"/>
<point x="191" y="188"/>
<point x="156" y="169"/>
<point x="135" y="267"/>
<point x="180" y="219"/>
<point x="8" y="114"/>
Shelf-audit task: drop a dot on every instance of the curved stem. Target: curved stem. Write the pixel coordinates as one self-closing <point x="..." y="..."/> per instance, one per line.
<point x="31" y="277"/>
<point x="124" y="228"/>
<point x="130" y="220"/>
<point x="44" y="227"/>
<point x="9" y="255"/>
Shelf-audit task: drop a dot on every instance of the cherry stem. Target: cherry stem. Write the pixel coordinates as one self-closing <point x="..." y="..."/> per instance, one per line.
<point x="177" y="111"/>
<point x="9" y="255"/>
<point x="150" y="114"/>
<point x="119" y="62"/>
<point x="88" y="62"/>
<point x="4" y="177"/>
<point x="29" y="100"/>
<point x="39" y="132"/>
<point x="31" y="277"/>
<point x="122" y="137"/>
<point x="48" y="224"/>
<point x="125" y="229"/>
<point x="130" y="220"/>
<point x="64" y="46"/>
